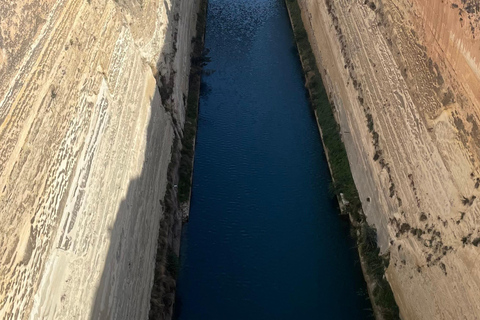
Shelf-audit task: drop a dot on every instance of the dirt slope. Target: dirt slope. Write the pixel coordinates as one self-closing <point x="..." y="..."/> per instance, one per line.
<point x="405" y="80"/>
<point x="86" y="136"/>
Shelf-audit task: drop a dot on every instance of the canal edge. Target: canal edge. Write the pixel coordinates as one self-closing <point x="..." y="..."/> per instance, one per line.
<point x="379" y="290"/>
<point x="176" y="202"/>
<point x="198" y="61"/>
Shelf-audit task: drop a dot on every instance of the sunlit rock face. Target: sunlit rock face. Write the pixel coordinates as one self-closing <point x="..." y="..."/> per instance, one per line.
<point x="91" y="98"/>
<point x="405" y="79"/>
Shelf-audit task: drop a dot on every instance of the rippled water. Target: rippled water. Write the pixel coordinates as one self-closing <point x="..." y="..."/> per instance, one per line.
<point x="264" y="240"/>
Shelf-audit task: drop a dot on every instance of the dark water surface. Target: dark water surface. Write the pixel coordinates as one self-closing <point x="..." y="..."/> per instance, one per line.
<point x="264" y="240"/>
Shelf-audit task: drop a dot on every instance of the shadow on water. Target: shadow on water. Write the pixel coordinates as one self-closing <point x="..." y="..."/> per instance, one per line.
<point x="124" y="289"/>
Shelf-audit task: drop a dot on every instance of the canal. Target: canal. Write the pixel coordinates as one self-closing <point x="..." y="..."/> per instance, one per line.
<point x="264" y="239"/>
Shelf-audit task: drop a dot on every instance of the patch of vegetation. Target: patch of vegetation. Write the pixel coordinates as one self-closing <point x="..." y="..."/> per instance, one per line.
<point x="405" y="227"/>
<point x="468" y="201"/>
<point x="163" y="289"/>
<point x="476" y="242"/>
<point x="340" y="169"/>
<point x="392" y="189"/>
<point x="423" y="217"/>
<point x="448" y="97"/>
<point x="376" y="266"/>
<point x="417" y="232"/>
<point x="369" y="122"/>
<point x="198" y="60"/>
<point x="330" y="130"/>
<point x="443" y="267"/>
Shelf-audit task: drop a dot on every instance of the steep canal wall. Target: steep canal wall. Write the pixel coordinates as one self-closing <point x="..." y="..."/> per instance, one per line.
<point x="92" y="111"/>
<point x="403" y="79"/>
<point x="343" y="185"/>
<point x="176" y="202"/>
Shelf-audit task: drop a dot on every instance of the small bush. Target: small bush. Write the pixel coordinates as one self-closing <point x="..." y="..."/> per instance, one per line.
<point x="476" y="242"/>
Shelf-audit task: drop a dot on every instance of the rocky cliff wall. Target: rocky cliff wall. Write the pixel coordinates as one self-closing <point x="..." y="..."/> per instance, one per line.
<point x="403" y="76"/>
<point x="91" y="99"/>
<point x="450" y="30"/>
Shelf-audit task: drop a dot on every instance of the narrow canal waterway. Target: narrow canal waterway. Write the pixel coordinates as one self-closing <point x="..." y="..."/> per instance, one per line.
<point x="264" y="240"/>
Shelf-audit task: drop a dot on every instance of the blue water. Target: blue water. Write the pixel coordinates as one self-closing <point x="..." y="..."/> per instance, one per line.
<point x="264" y="240"/>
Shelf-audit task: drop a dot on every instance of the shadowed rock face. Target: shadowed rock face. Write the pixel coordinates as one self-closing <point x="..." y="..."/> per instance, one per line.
<point x="86" y="138"/>
<point x="405" y="79"/>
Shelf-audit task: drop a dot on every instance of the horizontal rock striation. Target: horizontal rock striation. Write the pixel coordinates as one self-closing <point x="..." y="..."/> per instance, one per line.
<point x="404" y="78"/>
<point x="91" y="99"/>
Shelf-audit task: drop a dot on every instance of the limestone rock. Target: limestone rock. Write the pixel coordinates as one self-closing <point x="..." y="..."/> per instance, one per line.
<point x="404" y="76"/>
<point x="86" y="138"/>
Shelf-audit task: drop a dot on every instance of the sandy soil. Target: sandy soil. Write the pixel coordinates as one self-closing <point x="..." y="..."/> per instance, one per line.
<point x="86" y="140"/>
<point x="404" y="77"/>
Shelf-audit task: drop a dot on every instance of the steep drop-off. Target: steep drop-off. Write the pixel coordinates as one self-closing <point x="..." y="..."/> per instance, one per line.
<point x="404" y="79"/>
<point x="91" y="99"/>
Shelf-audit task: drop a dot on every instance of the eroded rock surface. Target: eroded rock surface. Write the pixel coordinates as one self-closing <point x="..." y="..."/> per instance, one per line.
<point x="91" y="98"/>
<point x="405" y="79"/>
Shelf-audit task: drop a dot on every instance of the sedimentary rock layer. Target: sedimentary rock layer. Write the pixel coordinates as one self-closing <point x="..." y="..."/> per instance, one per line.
<point x="91" y="98"/>
<point x="405" y="80"/>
